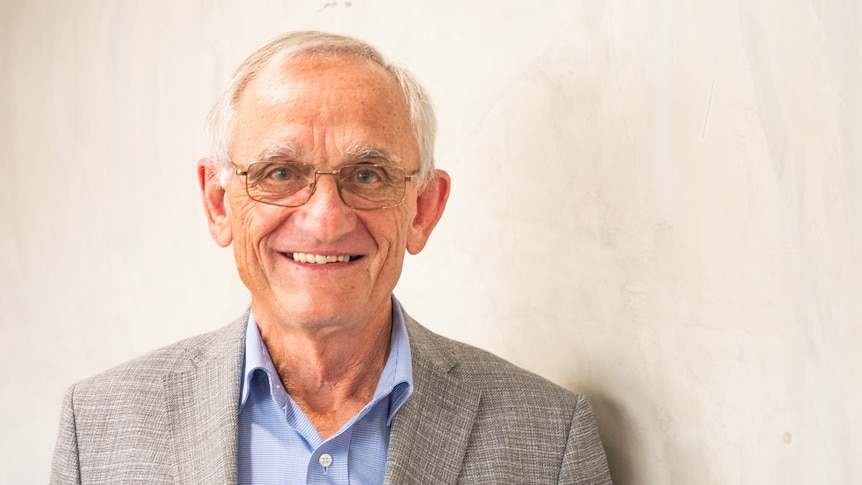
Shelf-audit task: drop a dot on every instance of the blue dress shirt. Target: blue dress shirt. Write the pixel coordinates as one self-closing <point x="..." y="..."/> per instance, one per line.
<point x="279" y="445"/>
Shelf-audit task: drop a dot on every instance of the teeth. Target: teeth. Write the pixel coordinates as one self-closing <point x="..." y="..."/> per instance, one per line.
<point x="319" y="258"/>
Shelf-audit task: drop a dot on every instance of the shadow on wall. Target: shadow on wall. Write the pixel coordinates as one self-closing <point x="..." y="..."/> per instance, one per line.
<point x="618" y="438"/>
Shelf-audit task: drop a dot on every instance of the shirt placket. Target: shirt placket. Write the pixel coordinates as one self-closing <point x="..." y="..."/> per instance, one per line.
<point x="328" y="463"/>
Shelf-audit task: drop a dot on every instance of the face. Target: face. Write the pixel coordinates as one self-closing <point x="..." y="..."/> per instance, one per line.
<point x="326" y="113"/>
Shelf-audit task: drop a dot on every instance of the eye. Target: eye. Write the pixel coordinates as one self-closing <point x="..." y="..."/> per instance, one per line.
<point x="276" y="176"/>
<point x="281" y="173"/>
<point x="278" y="173"/>
<point x="367" y="175"/>
<point x="364" y="175"/>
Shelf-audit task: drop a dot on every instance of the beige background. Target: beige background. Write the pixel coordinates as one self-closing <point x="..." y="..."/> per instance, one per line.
<point x="655" y="202"/>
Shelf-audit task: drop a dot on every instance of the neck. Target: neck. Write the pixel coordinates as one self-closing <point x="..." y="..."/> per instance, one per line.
<point x="332" y="372"/>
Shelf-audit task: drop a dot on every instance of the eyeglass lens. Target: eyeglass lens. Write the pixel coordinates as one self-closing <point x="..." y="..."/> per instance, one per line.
<point x="363" y="186"/>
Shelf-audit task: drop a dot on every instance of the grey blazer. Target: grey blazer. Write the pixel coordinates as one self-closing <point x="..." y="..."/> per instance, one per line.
<point x="171" y="417"/>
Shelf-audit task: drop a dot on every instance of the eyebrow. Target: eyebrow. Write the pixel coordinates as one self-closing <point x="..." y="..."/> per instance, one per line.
<point x="370" y="153"/>
<point x="356" y="153"/>
<point x="281" y="153"/>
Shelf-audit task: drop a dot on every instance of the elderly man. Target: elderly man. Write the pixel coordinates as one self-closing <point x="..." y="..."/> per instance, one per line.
<point x="322" y="176"/>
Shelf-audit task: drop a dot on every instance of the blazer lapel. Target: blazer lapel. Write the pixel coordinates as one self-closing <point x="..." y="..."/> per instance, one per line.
<point x="430" y="432"/>
<point x="202" y="403"/>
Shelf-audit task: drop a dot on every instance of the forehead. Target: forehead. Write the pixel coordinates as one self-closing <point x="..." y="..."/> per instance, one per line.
<point x="319" y="101"/>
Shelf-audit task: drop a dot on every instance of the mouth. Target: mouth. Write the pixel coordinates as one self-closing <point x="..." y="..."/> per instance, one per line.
<point x="321" y="259"/>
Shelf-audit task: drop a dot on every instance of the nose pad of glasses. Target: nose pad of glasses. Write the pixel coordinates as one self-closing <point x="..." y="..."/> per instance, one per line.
<point x="314" y="184"/>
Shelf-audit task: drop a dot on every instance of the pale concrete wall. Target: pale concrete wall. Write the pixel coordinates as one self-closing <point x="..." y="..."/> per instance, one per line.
<point x="654" y="202"/>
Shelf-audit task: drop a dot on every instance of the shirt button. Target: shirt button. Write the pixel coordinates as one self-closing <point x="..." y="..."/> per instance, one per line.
<point x="325" y="460"/>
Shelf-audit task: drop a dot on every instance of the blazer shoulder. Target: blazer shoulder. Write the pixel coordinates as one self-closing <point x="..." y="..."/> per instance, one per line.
<point x="486" y="371"/>
<point x="135" y="420"/>
<point x="177" y="357"/>
<point x="516" y="426"/>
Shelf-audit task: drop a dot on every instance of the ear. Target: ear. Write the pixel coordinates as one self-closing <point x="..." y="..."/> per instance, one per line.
<point x="429" y="207"/>
<point x="215" y="201"/>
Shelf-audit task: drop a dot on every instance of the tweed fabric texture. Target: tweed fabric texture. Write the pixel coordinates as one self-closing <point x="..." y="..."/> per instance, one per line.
<point x="171" y="417"/>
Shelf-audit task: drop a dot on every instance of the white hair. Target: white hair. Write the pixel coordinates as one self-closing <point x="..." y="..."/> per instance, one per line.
<point x="223" y="116"/>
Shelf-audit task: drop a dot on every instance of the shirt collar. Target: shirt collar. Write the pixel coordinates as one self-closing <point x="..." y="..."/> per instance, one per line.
<point x="396" y="380"/>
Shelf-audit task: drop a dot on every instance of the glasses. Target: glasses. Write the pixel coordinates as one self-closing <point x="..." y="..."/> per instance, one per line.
<point x="362" y="186"/>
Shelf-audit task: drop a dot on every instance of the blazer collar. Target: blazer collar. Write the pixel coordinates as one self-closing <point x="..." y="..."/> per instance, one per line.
<point x="431" y="431"/>
<point x="202" y="402"/>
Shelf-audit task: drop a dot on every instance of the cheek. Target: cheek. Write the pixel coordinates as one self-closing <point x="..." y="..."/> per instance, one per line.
<point x="252" y="221"/>
<point x="391" y="235"/>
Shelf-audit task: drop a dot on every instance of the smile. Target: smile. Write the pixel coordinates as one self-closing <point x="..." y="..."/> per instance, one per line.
<point x="321" y="259"/>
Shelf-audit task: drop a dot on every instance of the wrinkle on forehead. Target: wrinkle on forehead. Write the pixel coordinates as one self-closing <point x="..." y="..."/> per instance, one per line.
<point x="355" y="152"/>
<point x="349" y="91"/>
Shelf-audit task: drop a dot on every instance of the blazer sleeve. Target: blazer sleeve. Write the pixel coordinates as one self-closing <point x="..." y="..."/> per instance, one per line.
<point x="65" y="469"/>
<point x="584" y="461"/>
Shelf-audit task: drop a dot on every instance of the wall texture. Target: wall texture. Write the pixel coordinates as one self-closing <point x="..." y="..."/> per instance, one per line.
<point x="655" y="202"/>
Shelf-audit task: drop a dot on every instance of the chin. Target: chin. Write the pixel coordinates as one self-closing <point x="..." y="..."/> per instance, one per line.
<point x="317" y="310"/>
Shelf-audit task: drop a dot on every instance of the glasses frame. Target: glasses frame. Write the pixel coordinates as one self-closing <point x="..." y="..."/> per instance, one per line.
<point x="312" y="187"/>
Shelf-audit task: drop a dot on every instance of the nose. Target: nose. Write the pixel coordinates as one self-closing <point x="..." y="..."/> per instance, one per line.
<point x="325" y="216"/>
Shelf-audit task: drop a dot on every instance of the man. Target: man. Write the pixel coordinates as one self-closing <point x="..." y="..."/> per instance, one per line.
<point x="322" y="176"/>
